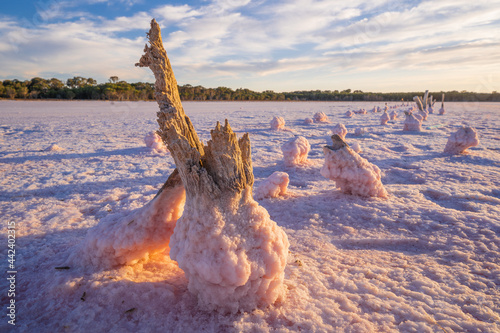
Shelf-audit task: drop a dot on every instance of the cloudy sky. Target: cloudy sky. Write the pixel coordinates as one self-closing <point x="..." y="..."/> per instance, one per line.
<point x="280" y="45"/>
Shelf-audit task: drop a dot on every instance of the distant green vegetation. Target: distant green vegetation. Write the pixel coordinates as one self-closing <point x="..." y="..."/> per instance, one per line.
<point x="116" y="90"/>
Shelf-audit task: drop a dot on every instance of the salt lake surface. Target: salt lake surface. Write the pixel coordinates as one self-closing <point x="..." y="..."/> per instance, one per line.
<point x="426" y="259"/>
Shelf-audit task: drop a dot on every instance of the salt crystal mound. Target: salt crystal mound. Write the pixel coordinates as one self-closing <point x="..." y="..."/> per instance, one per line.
<point x="356" y="147"/>
<point x="430" y="110"/>
<point x="278" y="123"/>
<point x="442" y="111"/>
<point x="349" y="114"/>
<point x="352" y="173"/>
<point x="411" y="123"/>
<point x="423" y="114"/>
<point x="53" y="147"/>
<point x="320" y="117"/>
<point x="340" y="130"/>
<point x="295" y="151"/>
<point x="360" y="111"/>
<point x="393" y="115"/>
<point x="359" y="131"/>
<point x="462" y="139"/>
<point x="153" y="141"/>
<point x="308" y="121"/>
<point x="384" y="118"/>
<point x="274" y="186"/>
<point x="233" y="254"/>
<point x="124" y="239"/>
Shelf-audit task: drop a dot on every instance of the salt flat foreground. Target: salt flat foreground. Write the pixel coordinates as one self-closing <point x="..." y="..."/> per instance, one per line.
<point x="426" y="259"/>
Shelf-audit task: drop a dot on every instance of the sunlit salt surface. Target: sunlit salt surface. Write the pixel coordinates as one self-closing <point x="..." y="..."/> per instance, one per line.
<point x="424" y="259"/>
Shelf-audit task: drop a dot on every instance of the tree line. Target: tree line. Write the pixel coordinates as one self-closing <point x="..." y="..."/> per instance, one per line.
<point x="117" y="90"/>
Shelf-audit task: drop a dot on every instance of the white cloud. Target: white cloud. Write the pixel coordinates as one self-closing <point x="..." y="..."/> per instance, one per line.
<point x="109" y="2"/>
<point x="293" y="65"/>
<point x="78" y="48"/>
<point x="169" y="14"/>
<point x="139" y="21"/>
<point x="262" y="43"/>
<point x="230" y="4"/>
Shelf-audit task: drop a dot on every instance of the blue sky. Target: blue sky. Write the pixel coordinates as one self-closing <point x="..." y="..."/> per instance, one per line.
<point x="280" y="45"/>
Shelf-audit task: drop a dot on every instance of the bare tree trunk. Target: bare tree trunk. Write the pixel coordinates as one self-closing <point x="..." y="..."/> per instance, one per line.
<point x="419" y="103"/>
<point x="233" y="254"/>
<point x="442" y="110"/>
<point x="226" y="165"/>
<point x="425" y="100"/>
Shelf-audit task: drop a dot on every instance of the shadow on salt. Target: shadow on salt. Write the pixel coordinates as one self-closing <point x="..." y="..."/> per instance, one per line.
<point x="57" y="157"/>
<point x="126" y="292"/>
<point x="406" y="245"/>
<point x="61" y="192"/>
<point x="408" y="160"/>
<point x="343" y="212"/>
<point x="471" y="158"/>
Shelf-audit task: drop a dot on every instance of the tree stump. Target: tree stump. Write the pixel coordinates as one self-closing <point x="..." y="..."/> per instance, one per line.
<point x="412" y="123"/>
<point x="442" y="110"/>
<point x="462" y="139"/>
<point x="352" y="173"/>
<point x="425" y="101"/>
<point x="232" y="253"/>
<point x="418" y="101"/>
